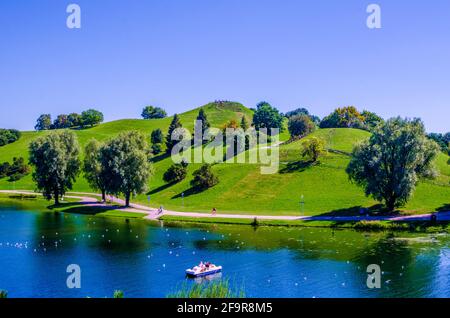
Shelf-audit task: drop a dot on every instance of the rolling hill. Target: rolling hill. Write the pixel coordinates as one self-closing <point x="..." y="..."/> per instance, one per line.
<point x="242" y="188"/>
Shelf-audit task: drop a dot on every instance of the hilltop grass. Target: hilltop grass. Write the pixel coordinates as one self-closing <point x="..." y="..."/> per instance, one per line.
<point x="242" y="189"/>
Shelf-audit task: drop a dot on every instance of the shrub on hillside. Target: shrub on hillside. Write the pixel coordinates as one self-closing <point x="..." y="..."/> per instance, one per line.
<point x="175" y="173"/>
<point x="15" y="171"/>
<point x="300" y="126"/>
<point x="8" y="136"/>
<point x="313" y="148"/>
<point x="156" y="149"/>
<point x="204" y="178"/>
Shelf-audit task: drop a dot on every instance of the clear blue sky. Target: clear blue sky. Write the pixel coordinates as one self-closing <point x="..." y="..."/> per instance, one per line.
<point x="181" y="54"/>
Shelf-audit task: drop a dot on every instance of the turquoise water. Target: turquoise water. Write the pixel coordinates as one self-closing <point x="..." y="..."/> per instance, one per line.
<point x="148" y="260"/>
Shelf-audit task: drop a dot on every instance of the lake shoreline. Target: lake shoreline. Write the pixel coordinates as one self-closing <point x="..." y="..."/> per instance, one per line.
<point x="33" y="202"/>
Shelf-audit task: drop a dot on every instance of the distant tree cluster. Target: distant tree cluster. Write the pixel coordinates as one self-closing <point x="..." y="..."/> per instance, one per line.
<point x="151" y="112"/>
<point x="443" y="140"/>
<point x="88" y="118"/>
<point x="8" y="136"/>
<point x="350" y="117"/>
<point x="15" y="171"/>
<point x="303" y="111"/>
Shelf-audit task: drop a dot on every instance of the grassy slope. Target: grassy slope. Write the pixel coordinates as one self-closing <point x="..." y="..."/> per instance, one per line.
<point x="243" y="189"/>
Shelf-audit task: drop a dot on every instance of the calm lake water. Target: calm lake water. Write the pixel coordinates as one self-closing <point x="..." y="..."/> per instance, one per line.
<point x="147" y="260"/>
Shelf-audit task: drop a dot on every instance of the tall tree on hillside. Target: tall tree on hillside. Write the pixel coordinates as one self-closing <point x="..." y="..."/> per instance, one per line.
<point x="56" y="162"/>
<point x="91" y="117"/>
<point x="44" y="122"/>
<point x="388" y="165"/>
<point x="157" y="139"/>
<point x="204" y="119"/>
<point x="126" y="163"/>
<point x="175" y="124"/>
<point x="267" y="117"/>
<point x="157" y="136"/>
<point x="93" y="170"/>
<point x="151" y="112"/>
<point x="244" y="123"/>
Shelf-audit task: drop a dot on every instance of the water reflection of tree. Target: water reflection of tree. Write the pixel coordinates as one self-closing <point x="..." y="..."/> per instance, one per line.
<point x="70" y="230"/>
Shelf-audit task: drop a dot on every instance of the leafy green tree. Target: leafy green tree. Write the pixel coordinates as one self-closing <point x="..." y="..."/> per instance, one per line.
<point x="175" y="173"/>
<point x="157" y="136"/>
<point x="346" y="117"/>
<point x="44" y="122"/>
<point x="91" y="117"/>
<point x="389" y="164"/>
<point x="61" y="122"/>
<point x="151" y="112"/>
<point x="371" y="120"/>
<point x="313" y="148"/>
<point x="93" y="170"/>
<point x="268" y="117"/>
<point x="126" y="164"/>
<point x="175" y="124"/>
<point x="55" y="158"/>
<point x="204" y="178"/>
<point x="157" y="139"/>
<point x="300" y="126"/>
<point x="74" y="120"/>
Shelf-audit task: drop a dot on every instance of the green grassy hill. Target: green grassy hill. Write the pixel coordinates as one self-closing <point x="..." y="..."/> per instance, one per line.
<point x="242" y="188"/>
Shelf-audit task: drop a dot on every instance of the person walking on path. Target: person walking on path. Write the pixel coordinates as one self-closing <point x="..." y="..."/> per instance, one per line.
<point x="214" y="211"/>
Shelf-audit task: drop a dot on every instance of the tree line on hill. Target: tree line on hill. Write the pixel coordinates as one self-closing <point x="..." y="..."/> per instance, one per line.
<point x="88" y="118"/>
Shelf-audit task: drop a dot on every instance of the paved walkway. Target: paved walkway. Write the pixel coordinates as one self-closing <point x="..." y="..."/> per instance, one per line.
<point x="152" y="214"/>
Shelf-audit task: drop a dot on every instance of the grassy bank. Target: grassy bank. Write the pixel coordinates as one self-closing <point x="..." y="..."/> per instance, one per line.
<point x="428" y="227"/>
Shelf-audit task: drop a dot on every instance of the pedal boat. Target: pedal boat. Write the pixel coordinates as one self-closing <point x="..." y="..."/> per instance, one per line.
<point x="197" y="271"/>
